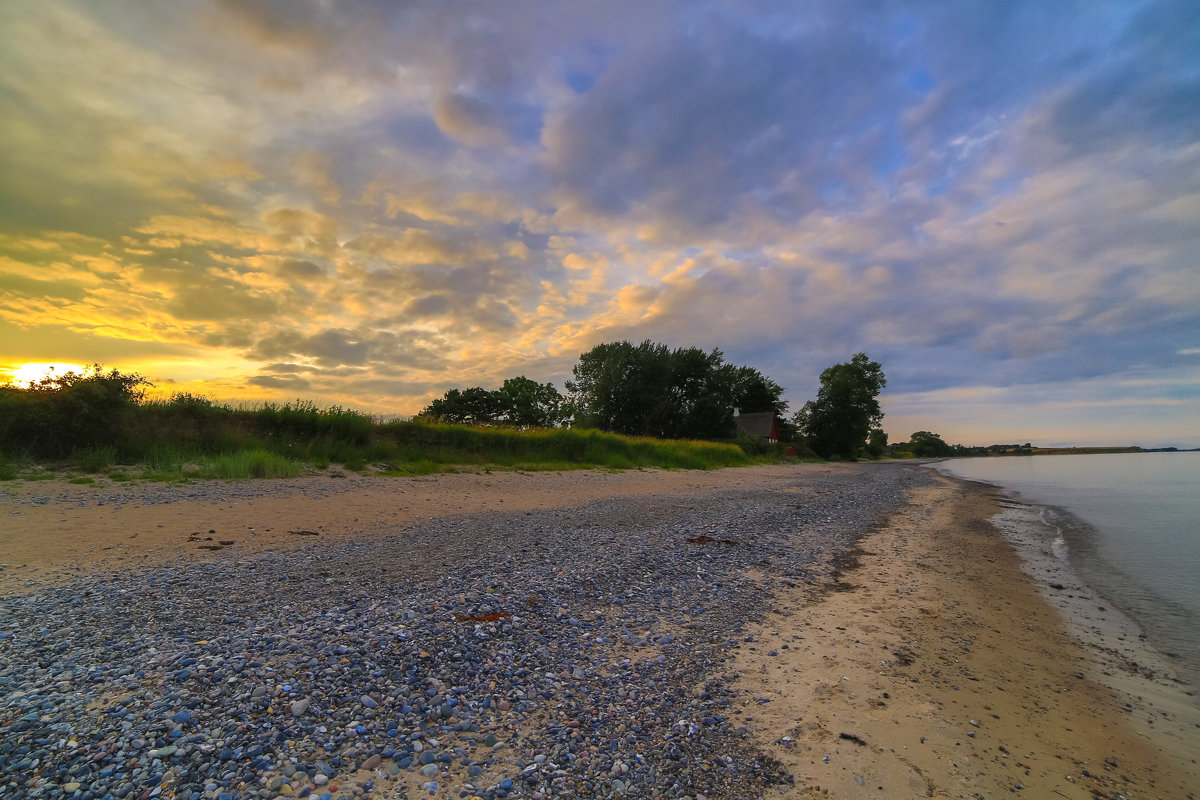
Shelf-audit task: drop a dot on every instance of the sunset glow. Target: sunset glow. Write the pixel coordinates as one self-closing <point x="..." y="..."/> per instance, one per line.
<point x="368" y="204"/>
<point x="34" y="372"/>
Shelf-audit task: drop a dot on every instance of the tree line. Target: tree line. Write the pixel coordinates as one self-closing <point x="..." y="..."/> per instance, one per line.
<point x="650" y="389"/>
<point x="646" y="389"/>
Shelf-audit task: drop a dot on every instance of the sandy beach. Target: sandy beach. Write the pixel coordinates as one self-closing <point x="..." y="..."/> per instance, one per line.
<point x="938" y="669"/>
<point x="929" y="659"/>
<point x="54" y="531"/>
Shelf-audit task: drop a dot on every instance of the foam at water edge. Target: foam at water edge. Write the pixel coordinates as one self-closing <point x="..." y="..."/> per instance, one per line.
<point x="1160" y="698"/>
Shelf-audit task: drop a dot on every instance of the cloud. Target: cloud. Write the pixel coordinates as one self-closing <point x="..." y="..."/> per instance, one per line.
<point x="417" y="246"/>
<point x="699" y="125"/>
<point x="289" y="383"/>
<point x="469" y="121"/>
<point x="294" y="268"/>
<point x="329" y="348"/>
<point x="392" y="199"/>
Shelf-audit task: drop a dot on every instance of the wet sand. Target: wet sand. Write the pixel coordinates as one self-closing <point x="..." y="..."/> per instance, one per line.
<point x="938" y="669"/>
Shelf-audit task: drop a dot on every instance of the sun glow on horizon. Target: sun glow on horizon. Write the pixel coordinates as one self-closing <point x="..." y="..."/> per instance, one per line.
<point x="34" y="371"/>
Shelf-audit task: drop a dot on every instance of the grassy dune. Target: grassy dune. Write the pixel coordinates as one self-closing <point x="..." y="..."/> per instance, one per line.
<point x="188" y="437"/>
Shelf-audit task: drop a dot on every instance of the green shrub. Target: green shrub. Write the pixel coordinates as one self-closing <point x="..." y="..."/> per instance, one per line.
<point x="74" y="411"/>
<point x="251" y="464"/>
<point x="96" y="459"/>
<point x="9" y="471"/>
<point x="354" y="462"/>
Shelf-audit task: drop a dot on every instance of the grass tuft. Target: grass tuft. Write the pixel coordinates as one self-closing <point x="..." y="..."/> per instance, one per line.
<point x="250" y="464"/>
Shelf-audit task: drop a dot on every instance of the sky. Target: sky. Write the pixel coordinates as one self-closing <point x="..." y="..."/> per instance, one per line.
<point x="369" y="202"/>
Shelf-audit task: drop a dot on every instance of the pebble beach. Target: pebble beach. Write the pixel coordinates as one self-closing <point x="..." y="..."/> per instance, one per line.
<point x="580" y="643"/>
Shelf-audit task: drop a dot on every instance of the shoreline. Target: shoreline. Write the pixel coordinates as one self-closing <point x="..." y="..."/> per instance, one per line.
<point x="1128" y="545"/>
<point x="1133" y="660"/>
<point x="942" y="669"/>
<point x="1155" y="692"/>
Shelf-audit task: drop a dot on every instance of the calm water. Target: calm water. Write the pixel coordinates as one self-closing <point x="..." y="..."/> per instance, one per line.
<point x="1132" y="527"/>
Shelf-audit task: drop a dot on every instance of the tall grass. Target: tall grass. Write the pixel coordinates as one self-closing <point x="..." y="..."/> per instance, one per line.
<point x="251" y="464"/>
<point x="189" y="437"/>
<point x="169" y="463"/>
<point x="9" y="470"/>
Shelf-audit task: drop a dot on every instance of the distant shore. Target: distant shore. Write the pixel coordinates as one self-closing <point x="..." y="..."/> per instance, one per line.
<point x="921" y="659"/>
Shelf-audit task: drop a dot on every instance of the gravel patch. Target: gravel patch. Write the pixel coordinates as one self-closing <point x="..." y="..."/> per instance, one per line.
<point x="567" y="654"/>
<point x="151" y="493"/>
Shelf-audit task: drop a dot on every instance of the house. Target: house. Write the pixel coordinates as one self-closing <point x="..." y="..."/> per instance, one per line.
<point x="761" y="425"/>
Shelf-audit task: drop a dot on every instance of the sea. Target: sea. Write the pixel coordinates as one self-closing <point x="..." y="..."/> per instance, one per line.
<point x="1127" y="524"/>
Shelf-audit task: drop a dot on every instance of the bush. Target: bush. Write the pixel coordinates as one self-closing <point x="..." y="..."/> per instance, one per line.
<point x="63" y="414"/>
<point x="9" y="471"/>
<point x="97" y="459"/>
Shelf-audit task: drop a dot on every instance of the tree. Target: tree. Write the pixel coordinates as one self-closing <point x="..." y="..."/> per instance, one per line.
<point x="754" y="392"/>
<point x="520" y="401"/>
<point x="924" y="444"/>
<point x="650" y="390"/>
<point x="620" y="387"/>
<point x="836" y="424"/>
<point x="877" y="442"/>
<point x="464" y="406"/>
<point x="526" y="402"/>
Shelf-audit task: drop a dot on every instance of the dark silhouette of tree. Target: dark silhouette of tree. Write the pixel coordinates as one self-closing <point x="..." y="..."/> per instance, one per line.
<point x="528" y="403"/>
<point x="877" y="442"/>
<point x="837" y="423"/>
<point x="924" y="444"/>
<point x="650" y="390"/>
<point x="464" y="406"/>
<point x="520" y="401"/>
<point x="76" y="410"/>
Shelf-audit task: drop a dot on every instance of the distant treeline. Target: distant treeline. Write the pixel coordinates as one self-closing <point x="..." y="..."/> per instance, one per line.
<point x="646" y="389"/>
<point x="649" y="389"/>
<point x="924" y="444"/>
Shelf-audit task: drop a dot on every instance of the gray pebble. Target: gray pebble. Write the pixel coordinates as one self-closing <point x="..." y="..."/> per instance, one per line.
<point x="524" y="629"/>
